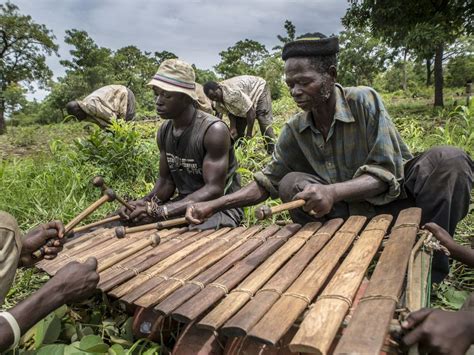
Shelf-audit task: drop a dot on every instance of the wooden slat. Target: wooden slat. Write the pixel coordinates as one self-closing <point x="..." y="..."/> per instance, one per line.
<point x="247" y="288"/>
<point x="320" y="326"/>
<point x="219" y="288"/>
<point x="366" y="332"/>
<point x="293" y="302"/>
<point x="254" y="310"/>
<point x="195" y="285"/>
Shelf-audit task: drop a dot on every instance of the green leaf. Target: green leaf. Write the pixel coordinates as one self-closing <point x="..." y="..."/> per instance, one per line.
<point x="93" y="344"/>
<point x="47" y="330"/>
<point x="455" y="298"/>
<point x="116" y="349"/>
<point x="54" y="349"/>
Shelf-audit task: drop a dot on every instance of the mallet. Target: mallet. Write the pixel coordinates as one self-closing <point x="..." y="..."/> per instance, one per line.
<point x="95" y="224"/>
<point x="266" y="211"/>
<point x="121" y="232"/>
<point x="109" y="195"/>
<point x="153" y="241"/>
<point x="98" y="181"/>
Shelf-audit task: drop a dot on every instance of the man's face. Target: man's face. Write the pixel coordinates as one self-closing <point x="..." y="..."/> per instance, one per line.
<point x="215" y="95"/>
<point x="308" y="87"/>
<point x="170" y="104"/>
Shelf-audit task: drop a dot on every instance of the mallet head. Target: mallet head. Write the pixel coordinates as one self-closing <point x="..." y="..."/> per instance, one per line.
<point x="263" y="212"/>
<point x="120" y="232"/>
<point x="111" y="194"/>
<point x="98" y="181"/>
<point x="155" y="240"/>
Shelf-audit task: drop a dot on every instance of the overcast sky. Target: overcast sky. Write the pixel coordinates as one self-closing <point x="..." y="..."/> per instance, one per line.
<point x="195" y="31"/>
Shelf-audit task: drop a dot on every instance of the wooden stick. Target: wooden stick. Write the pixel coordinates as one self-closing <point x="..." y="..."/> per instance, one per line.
<point x="193" y="287"/>
<point x="120" y="232"/>
<point x="382" y="294"/>
<point x="266" y="211"/>
<point x="320" y="326"/>
<point x="247" y="288"/>
<point x="153" y="241"/>
<point x="219" y="288"/>
<point x="95" y="224"/>
<point x="109" y="195"/>
<point x="98" y="181"/>
<point x="263" y="300"/>
<point x="294" y="301"/>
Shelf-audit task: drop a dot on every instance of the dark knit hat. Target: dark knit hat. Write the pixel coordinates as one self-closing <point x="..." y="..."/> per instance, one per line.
<point x="311" y="45"/>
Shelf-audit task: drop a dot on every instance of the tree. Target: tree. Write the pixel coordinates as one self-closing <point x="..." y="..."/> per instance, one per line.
<point x="24" y="45"/>
<point x="423" y="26"/>
<point x="460" y="69"/>
<point x="242" y="58"/>
<point x="204" y="75"/>
<point x="361" y="58"/>
<point x="290" y="35"/>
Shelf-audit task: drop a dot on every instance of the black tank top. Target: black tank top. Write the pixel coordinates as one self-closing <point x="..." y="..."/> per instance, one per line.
<point x="185" y="155"/>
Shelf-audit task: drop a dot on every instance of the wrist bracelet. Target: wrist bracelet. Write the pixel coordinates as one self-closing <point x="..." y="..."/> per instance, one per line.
<point x="14" y="327"/>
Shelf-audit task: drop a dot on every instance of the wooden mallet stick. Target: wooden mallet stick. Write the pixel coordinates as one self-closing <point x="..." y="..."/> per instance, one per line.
<point x="153" y="241"/>
<point x="121" y="232"/>
<point x="98" y="181"/>
<point x="97" y="223"/>
<point x="109" y="195"/>
<point x="266" y="211"/>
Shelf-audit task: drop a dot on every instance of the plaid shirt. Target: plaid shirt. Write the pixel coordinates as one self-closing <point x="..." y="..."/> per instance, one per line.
<point x="362" y="140"/>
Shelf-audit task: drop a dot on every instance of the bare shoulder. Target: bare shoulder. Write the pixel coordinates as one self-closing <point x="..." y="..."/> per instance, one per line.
<point x="217" y="137"/>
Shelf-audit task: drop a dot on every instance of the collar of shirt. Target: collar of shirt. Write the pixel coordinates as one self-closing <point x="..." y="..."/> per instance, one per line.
<point x="343" y="112"/>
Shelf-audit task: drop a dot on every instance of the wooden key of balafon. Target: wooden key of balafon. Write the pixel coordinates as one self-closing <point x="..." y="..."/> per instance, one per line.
<point x="121" y="232"/>
<point x="99" y="182"/>
<point x="266" y="211"/>
<point x="108" y="196"/>
<point x="153" y="241"/>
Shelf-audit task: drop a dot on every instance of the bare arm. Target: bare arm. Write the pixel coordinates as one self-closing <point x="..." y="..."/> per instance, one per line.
<point x="251" y="114"/>
<point x="321" y="198"/>
<point x="249" y="195"/>
<point x="458" y="252"/>
<point x="71" y="283"/>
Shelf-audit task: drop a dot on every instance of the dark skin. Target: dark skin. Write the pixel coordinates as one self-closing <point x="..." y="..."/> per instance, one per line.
<point x="313" y="92"/>
<point x="74" y="109"/>
<point x="71" y="283"/>
<point x="179" y="108"/>
<point x="217" y="95"/>
<point x="438" y="331"/>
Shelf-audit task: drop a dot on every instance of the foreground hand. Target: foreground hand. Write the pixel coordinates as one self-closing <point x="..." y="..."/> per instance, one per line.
<point x="319" y="199"/>
<point x="198" y="212"/>
<point x="139" y="206"/>
<point x="440" y="332"/>
<point x="48" y="236"/>
<point x="75" y="281"/>
<point x="439" y="233"/>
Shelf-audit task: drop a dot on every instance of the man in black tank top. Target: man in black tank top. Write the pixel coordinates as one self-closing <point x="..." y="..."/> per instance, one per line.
<point x="197" y="161"/>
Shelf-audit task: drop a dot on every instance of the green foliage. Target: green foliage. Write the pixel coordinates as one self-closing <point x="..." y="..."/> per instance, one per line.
<point x="242" y="58"/>
<point x="290" y="35"/>
<point x="204" y="75"/>
<point x="361" y="57"/>
<point x="459" y="70"/>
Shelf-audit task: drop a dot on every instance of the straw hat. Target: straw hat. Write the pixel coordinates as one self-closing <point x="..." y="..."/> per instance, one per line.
<point x="176" y="75"/>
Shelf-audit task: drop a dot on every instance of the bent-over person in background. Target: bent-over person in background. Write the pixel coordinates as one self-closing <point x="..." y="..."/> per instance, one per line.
<point x="103" y="105"/>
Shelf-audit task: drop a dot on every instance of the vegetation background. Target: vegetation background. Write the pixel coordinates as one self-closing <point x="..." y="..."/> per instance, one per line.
<point x="47" y="159"/>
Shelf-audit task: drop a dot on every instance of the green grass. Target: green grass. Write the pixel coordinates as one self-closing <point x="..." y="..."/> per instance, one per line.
<point x="45" y="174"/>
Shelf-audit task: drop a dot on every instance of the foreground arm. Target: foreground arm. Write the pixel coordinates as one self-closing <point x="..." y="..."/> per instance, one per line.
<point x="458" y="252"/>
<point x="440" y="332"/>
<point x="321" y="198"/>
<point x="249" y="195"/>
<point x="71" y="283"/>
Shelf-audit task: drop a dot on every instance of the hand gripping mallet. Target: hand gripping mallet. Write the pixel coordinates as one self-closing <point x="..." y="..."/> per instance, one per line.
<point x="121" y="232"/>
<point x="108" y="196"/>
<point x="98" y="181"/>
<point x="266" y="211"/>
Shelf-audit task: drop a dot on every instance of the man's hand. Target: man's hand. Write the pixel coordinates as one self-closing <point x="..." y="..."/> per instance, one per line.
<point x="197" y="213"/>
<point x="48" y="236"/>
<point x="138" y="215"/>
<point x="319" y="199"/>
<point x="439" y="233"/>
<point x="440" y="332"/>
<point x="75" y="281"/>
